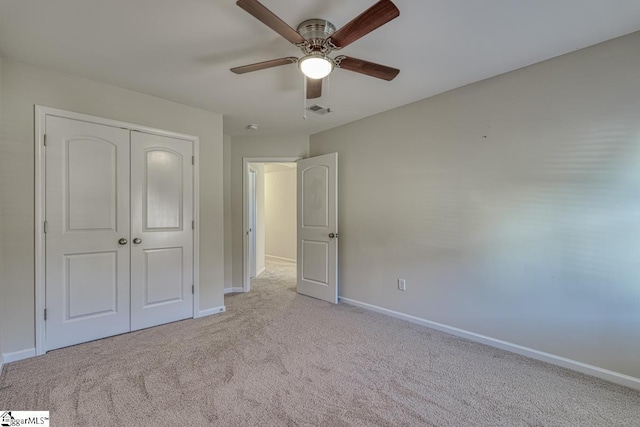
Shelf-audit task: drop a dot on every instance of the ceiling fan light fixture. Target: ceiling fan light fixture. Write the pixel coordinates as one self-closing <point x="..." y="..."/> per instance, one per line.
<point x="316" y="66"/>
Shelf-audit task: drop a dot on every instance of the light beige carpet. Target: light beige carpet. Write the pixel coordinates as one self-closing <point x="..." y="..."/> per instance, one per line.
<point x="278" y="358"/>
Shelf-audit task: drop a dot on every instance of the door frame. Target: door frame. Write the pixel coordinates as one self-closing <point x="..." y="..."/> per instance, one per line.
<point x="253" y="208"/>
<point x="246" y="272"/>
<point x="39" y="141"/>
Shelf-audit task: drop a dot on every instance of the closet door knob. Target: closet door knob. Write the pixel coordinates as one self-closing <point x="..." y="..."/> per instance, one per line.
<point x="123" y="241"/>
<point x="137" y="241"/>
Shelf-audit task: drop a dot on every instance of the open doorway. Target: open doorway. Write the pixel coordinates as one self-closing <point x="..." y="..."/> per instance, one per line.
<point x="270" y="217"/>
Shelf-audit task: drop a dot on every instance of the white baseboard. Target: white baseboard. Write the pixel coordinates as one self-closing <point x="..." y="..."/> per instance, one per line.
<point x="233" y="290"/>
<point x="211" y="311"/>
<point x="262" y="270"/>
<point x="605" y="374"/>
<point x="279" y="258"/>
<point x="18" y="355"/>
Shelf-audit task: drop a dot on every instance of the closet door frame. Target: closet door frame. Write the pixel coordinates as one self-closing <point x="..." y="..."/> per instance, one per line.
<point x="41" y="112"/>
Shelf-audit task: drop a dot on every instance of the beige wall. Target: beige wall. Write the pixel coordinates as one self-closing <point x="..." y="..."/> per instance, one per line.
<point x="280" y="211"/>
<point x="510" y="206"/>
<point x="254" y="146"/>
<point x="22" y="87"/>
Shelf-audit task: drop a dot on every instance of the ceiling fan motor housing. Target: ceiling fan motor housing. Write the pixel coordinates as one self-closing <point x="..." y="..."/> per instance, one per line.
<point x="315" y="32"/>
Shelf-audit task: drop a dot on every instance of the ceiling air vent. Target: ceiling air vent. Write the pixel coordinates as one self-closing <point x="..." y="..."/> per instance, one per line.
<point x="319" y="109"/>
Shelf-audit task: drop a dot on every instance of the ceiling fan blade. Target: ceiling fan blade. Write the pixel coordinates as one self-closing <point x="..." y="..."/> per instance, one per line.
<point x="263" y="65"/>
<point x="314" y="88"/>
<point x="365" y="67"/>
<point x="372" y="18"/>
<point x="271" y="20"/>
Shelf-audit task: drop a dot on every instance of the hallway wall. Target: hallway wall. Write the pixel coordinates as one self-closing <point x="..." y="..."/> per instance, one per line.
<point x="280" y="211"/>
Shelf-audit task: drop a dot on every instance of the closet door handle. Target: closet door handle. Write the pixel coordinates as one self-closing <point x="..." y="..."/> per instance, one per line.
<point x="137" y="241"/>
<point x="123" y="241"/>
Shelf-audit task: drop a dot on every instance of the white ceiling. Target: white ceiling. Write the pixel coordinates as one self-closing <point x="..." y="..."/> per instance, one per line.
<point x="182" y="50"/>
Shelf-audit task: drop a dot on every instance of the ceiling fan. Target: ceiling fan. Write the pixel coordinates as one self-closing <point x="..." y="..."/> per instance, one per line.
<point x="317" y="38"/>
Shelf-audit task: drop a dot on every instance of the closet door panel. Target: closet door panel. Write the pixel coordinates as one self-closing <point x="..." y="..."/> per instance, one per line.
<point x="162" y="237"/>
<point x="87" y="213"/>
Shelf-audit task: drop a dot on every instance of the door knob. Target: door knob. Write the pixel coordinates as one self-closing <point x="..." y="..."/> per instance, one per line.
<point x="332" y="235"/>
<point x="137" y="241"/>
<point x="123" y="241"/>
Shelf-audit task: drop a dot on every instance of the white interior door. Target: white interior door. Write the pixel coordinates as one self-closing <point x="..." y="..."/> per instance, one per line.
<point x="87" y="213"/>
<point x="161" y="230"/>
<point x="318" y="227"/>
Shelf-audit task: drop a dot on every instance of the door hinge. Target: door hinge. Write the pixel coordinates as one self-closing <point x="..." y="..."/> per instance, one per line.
<point x="193" y="160"/>
<point x="193" y="289"/>
<point x="46" y="227"/>
<point x="45" y="314"/>
<point x="45" y="139"/>
<point x="193" y="225"/>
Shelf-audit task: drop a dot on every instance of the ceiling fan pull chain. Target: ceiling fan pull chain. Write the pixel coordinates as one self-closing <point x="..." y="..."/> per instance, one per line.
<point x="328" y="93"/>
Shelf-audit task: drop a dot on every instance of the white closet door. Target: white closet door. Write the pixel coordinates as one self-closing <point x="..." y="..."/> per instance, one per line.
<point x="87" y="213"/>
<point x="161" y="230"/>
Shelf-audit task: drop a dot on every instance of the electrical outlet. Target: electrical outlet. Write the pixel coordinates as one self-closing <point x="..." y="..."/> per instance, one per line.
<point x="402" y="285"/>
